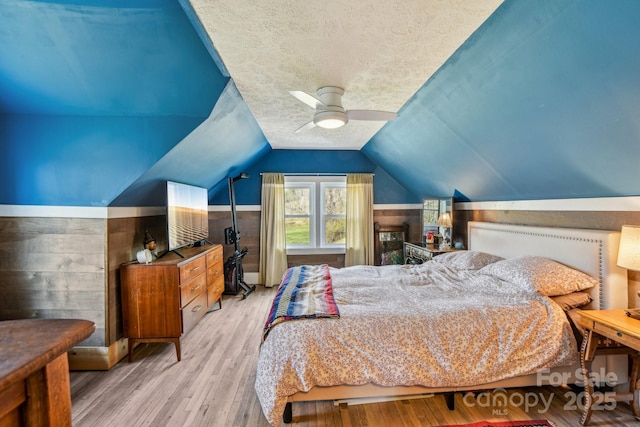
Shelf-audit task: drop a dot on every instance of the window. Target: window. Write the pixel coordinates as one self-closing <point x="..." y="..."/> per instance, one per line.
<point x="315" y="209"/>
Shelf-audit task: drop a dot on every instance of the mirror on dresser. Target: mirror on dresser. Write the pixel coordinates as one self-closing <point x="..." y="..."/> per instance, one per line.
<point x="432" y="211"/>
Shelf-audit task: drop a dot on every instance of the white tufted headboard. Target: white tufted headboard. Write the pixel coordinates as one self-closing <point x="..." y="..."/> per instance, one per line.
<point x="593" y="252"/>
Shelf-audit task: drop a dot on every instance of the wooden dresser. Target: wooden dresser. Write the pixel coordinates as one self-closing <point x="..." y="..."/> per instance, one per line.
<point x="163" y="300"/>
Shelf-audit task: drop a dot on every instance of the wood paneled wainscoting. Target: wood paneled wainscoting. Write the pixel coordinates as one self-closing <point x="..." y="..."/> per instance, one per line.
<point x="55" y="267"/>
<point x="67" y="267"/>
<point x="249" y="227"/>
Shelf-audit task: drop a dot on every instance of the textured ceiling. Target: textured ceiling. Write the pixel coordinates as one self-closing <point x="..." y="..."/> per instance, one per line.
<point x="380" y="52"/>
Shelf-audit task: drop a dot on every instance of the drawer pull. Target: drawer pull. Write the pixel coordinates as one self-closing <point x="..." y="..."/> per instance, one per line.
<point x="619" y="334"/>
<point x="196" y="309"/>
<point x="197" y="267"/>
<point x="195" y="288"/>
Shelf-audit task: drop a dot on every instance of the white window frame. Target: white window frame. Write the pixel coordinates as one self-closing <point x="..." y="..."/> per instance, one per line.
<point x="312" y="208"/>
<point x="316" y="184"/>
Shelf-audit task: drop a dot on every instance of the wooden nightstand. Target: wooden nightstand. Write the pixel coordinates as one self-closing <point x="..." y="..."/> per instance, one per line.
<point x="609" y="332"/>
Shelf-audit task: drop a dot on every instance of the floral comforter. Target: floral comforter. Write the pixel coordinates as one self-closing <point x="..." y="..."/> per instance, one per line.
<point x="430" y="324"/>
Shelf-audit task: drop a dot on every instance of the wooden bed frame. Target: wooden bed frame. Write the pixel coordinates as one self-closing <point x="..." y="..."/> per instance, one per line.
<point x="591" y="251"/>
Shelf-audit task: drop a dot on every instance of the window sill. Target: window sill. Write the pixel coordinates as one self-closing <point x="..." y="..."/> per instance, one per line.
<point x="316" y="251"/>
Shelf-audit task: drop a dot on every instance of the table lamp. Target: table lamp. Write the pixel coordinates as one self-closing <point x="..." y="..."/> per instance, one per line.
<point x="444" y="220"/>
<point x="629" y="250"/>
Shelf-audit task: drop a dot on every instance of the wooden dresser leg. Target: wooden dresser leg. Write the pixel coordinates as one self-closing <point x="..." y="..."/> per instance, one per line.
<point x="176" y="341"/>
<point x="130" y="345"/>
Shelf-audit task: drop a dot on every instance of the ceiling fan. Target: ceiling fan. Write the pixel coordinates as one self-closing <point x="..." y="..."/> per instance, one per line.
<point x="329" y="111"/>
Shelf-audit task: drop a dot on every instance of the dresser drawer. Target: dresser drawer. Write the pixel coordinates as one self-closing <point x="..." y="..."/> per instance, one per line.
<point x="193" y="312"/>
<point x="214" y="258"/>
<point x="192" y="269"/>
<point x="215" y="290"/>
<point x="213" y="273"/>
<point x="614" y="334"/>
<point x="191" y="289"/>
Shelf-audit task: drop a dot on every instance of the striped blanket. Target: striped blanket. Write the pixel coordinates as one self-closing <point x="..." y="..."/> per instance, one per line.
<point x="305" y="292"/>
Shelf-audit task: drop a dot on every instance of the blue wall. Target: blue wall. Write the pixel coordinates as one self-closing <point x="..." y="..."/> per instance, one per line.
<point x="80" y="161"/>
<point x="102" y="100"/>
<point x="386" y="189"/>
<point x="93" y="94"/>
<point x="541" y="102"/>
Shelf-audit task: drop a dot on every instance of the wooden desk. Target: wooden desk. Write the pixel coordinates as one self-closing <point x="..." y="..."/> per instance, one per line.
<point x="609" y="332"/>
<point x="34" y="370"/>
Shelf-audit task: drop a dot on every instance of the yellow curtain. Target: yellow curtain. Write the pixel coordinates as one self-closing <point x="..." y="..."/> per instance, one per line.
<point x="359" y="220"/>
<point x="273" y="242"/>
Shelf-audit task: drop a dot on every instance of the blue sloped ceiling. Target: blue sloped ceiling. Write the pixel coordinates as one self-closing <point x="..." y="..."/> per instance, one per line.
<point x="104" y="57"/>
<point x="102" y="100"/>
<point x="223" y="145"/>
<point x="94" y="93"/>
<point x="541" y="102"/>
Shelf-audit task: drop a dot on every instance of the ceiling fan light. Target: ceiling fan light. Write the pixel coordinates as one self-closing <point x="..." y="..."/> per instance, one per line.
<point x="330" y="119"/>
<point x="330" y="123"/>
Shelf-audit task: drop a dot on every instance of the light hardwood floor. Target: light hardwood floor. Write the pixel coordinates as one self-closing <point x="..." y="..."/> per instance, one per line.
<point x="213" y="386"/>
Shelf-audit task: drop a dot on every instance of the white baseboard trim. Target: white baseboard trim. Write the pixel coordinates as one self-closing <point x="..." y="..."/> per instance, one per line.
<point x="92" y="212"/>
<point x="251" y="278"/>
<point x="601" y="204"/>
<point x="31" y="211"/>
<point x="397" y="206"/>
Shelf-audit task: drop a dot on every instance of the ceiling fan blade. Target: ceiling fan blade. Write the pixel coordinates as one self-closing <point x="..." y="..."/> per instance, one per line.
<point x="373" y="115"/>
<point x="310" y="100"/>
<point x="305" y="126"/>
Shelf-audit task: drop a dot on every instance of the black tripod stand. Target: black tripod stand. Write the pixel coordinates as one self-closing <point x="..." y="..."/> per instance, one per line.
<point x="233" y="272"/>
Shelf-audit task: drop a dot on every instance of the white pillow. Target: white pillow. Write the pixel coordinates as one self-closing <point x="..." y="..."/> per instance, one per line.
<point x="466" y="260"/>
<point x="540" y="274"/>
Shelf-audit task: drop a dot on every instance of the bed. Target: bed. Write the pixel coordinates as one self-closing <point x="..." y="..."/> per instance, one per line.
<point x="496" y="331"/>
